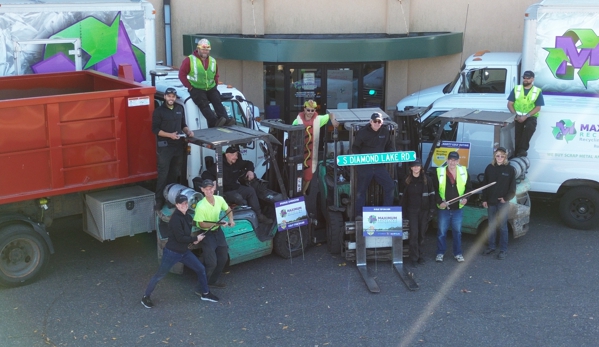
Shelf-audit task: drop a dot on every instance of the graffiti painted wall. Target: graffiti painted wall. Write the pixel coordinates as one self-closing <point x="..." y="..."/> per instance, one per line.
<point x="107" y="39"/>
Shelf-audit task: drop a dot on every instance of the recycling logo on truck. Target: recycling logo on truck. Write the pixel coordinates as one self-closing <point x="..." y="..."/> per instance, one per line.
<point x="567" y="57"/>
<point x="564" y="130"/>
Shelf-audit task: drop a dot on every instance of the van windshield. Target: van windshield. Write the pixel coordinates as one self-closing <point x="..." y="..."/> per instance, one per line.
<point x="485" y="80"/>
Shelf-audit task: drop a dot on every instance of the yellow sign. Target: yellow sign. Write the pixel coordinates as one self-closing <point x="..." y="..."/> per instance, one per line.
<point x="440" y="154"/>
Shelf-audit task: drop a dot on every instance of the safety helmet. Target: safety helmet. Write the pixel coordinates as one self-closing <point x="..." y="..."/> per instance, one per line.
<point x="170" y="90"/>
<point x="204" y="44"/>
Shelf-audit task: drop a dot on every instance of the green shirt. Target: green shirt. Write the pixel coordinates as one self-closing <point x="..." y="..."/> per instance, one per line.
<point x="205" y="212"/>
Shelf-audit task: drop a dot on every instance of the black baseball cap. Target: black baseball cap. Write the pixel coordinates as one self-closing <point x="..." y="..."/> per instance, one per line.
<point x="416" y="162"/>
<point x="207" y="183"/>
<point x="528" y="74"/>
<point x="501" y="149"/>
<point x="376" y="115"/>
<point x="453" y="155"/>
<point x="232" y="149"/>
<point x="170" y="90"/>
<point x="179" y="199"/>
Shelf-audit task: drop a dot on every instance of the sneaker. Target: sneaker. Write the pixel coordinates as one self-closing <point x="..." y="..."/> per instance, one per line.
<point x="421" y="261"/>
<point x="220" y="122"/>
<point x="209" y="297"/>
<point x="218" y="284"/>
<point x="147" y="302"/>
<point x="459" y="258"/>
<point x="439" y="258"/>
<point x="501" y="255"/>
<point x="488" y="251"/>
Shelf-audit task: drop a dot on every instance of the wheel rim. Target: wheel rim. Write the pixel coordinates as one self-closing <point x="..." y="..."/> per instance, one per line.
<point x="19" y="258"/>
<point x="582" y="209"/>
<point x="294" y="241"/>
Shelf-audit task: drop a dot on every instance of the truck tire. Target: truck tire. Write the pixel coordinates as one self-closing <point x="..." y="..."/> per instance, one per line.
<point x="335" y="232"/>
<point x="291" y="243"/>
<point x="23" y="255"/>
<point x="579" y="208"/>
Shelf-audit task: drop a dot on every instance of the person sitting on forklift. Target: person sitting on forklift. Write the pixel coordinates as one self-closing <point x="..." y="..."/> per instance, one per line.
<point x="373" y="138"/>
<point x="235" y="169"/>
<point x="313" y="122"/>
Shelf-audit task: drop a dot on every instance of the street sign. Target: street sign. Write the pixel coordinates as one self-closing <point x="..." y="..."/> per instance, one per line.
<point x="375" y="158"/>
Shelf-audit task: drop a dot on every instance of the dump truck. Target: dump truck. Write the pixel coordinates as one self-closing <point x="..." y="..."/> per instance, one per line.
<point x="71" y="143"/>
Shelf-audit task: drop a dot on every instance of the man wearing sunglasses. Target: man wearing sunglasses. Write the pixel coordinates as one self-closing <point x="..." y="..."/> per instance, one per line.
<point x="313" y="122"/>
<point x="373" y="138"/>
<point x="524" y="103"/>
<point x="199" y="73"/>
<point x="496" y="199"/>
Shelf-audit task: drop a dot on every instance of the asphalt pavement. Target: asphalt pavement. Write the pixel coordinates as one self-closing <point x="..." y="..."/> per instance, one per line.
<point x="542" y="294"/>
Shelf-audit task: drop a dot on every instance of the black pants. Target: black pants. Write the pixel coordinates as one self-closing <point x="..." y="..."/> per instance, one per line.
<point x="215" y="252"/>
<point x="244" y="193"/>
<point x="418" y="225"/>
<point x="203" y="98"/>
<point x="169" y="162"/>
<point x="524" y="132"/>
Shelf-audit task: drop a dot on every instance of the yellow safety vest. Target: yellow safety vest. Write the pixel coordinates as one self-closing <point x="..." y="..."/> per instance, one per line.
<point x="460" y="181"/>
<point x="199" y="77"/>
<point x="525" y="103"/>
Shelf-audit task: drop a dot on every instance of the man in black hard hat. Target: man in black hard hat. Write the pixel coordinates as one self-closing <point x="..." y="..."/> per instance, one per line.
<point x="168" y="123"/>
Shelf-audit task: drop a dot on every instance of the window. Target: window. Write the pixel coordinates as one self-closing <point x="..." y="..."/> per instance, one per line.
<point x="234" y="111"/>
<point x="484" y="81"/>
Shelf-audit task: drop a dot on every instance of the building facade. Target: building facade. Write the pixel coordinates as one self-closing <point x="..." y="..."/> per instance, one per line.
<point x="342" y="53"/>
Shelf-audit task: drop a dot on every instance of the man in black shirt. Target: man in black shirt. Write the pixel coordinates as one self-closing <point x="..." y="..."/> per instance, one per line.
<point x="235" y="169"/>
<point x="373" y="138"/>
<point x="168" y="123"/>
<point x="176" y="250"/>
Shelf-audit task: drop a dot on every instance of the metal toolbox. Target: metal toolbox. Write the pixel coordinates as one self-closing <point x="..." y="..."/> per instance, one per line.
<point x="119" y="212"/>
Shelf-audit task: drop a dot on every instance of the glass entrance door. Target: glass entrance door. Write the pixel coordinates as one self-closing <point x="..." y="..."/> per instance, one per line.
<point x="305" y="83"/>
<point x="331" y="86"/>
<point x="342" y="88"/>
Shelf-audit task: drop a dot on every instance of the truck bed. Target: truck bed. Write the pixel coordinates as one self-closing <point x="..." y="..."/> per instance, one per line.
<point x="73" y="131"/>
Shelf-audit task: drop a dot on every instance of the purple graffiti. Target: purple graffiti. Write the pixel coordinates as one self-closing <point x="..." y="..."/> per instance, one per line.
<point x="577" y="59"/>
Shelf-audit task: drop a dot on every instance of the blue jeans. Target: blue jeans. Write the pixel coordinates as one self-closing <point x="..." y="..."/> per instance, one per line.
<point x="365" y="174"/>
<point x="498" y="220"/>
<point x="170" y="258"/>
<point x="445" y="217"/>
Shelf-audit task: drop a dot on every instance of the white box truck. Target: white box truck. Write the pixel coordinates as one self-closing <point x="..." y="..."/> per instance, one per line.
<point x="561" y="45"/>
<point x="70" y="35"/>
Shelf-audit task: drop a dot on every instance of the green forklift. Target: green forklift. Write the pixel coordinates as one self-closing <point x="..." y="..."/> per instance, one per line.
<point x="248" y="239"/>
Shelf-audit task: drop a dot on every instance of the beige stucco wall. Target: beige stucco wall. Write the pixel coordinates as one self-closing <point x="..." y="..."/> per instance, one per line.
<point x="492" y="25"/>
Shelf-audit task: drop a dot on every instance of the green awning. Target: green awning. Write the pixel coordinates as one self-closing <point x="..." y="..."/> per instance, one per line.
<point x="329" y="48"/>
